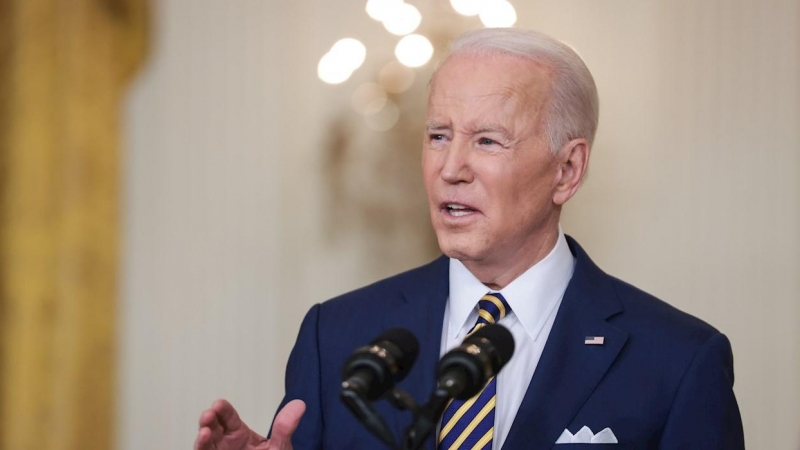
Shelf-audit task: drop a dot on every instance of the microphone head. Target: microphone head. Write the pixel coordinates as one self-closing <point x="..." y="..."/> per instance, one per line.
<point x="465" y="370"/>
<point x="404" y="348"/>
<point x="374" y="369"/>
<point x="501" y="341"/>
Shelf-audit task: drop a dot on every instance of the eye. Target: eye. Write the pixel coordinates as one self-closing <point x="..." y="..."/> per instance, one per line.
<point x="436" y="137"/>
<point x="486" y="141"/>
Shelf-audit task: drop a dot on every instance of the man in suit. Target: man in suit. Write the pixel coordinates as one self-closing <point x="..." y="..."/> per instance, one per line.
<point x="510" y="123"/>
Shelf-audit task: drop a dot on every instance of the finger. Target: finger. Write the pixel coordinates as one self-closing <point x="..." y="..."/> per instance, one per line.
<point x="209" y="420"/>
<point x="203" y="441"/>
<point x="286" y="423"/>
<point x="227" y="415"/>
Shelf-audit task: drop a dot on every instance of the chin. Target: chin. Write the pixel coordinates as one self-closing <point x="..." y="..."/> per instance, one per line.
<point x="458" y="248"/>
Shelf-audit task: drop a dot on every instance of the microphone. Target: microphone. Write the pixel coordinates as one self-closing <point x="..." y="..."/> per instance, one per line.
<point x="461" y="374"/>
<point x="374" y="369"/>
<point x="466" y="369"/>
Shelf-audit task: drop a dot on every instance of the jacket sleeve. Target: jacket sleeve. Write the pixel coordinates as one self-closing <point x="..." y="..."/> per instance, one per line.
<point x="704" y="413"/>
<point x="303" y="382"/>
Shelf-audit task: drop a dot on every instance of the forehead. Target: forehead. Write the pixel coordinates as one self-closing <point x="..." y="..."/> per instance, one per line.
<point x="495" y="85"/>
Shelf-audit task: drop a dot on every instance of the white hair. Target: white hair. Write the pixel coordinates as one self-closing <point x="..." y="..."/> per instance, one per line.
<point x="573" y="107"/>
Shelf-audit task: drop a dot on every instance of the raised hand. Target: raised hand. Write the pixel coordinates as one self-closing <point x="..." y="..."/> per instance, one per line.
<point x="222" y="429"/>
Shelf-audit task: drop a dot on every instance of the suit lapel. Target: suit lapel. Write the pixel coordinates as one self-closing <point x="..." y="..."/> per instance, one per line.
<point x="569" y="370"/>
<point x="421" y="311"/>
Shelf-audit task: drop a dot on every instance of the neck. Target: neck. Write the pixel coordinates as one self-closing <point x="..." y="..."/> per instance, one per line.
<point x="496" y="276"/>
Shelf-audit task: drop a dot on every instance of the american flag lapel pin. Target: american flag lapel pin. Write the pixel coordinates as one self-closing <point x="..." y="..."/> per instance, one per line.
<point x="594" y="340"/>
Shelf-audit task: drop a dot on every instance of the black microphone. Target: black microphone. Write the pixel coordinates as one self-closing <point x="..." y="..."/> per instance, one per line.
<point x="466" y="369"/>
<point x="461" y="374"/>
<point x="374" y="369"/>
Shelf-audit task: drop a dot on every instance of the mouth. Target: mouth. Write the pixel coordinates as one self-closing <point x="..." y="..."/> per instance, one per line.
<point x="457" y="209"/>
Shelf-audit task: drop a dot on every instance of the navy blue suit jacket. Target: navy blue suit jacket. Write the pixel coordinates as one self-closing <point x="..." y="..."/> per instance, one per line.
<point x="662" y="379"/>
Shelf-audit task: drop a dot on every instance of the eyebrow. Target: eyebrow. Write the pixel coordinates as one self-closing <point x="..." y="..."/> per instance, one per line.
<point x="436" y="126"/>
<point x="494" y="128"/>
<point x="488" y="128"/>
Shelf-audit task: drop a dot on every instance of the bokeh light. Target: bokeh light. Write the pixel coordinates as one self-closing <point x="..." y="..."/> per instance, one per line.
<point x="467" y="7"/>
<point x="414" y="50"/>
<point x="350" y="51"/>
<point x="404" y="20"/>
<point x="497" y="14"/>
<point x="333" y="71"/>
<point x="380" y="10"/>
<point x="365" y="95"/>
<point x="382" y="115"/>
<point x="375" y="106"/>
<point x="345" y="56"/>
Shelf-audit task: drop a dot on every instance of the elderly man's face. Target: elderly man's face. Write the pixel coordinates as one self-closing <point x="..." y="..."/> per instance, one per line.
<point x="489" y="174"/>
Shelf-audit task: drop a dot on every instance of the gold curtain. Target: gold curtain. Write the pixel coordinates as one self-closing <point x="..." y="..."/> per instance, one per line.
<point x="64" y="65"/>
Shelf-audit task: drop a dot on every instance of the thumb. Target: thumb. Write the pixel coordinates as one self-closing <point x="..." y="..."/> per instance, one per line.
<point x="285" y="424"/>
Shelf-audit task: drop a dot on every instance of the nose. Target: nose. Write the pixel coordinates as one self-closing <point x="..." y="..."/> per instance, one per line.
<point x="456" y="168"/>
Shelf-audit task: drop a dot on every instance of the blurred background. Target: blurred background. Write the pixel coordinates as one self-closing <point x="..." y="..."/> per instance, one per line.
<point x="181" y="180"/>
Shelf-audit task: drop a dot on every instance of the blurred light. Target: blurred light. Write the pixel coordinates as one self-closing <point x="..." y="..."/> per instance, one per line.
<point x="376" y="106"/>
<point x="414" y="50"/>
<point x="404" y="20"/>
<point x="383" y="115"/>
<point x="396" y="78"/>
<point x="497" y="14"/>
<point x="380" y="10"/>
<point x="467" y="7"/>
<point x="332" y="70"/>
<point x="365" y="95"/>
<point x="350" y="52"/>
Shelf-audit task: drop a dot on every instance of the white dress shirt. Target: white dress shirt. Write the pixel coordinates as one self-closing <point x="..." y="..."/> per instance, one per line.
<point x="534" y="298"/>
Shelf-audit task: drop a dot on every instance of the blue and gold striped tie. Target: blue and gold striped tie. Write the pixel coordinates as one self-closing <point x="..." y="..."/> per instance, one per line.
<point x="469" y="424"/>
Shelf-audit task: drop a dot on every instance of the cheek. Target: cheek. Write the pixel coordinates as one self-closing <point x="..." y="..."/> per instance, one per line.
<point x="430" y="165"/>
<point x="538" y="177"/>
<point x="526" y="195"/>
<point x="428" y="178"/>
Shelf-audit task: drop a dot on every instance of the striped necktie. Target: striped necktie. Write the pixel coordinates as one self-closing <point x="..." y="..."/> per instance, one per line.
<point x="469" y="424"/>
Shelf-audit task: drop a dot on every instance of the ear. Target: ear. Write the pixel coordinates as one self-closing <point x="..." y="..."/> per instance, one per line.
<point x="573" y="161"/>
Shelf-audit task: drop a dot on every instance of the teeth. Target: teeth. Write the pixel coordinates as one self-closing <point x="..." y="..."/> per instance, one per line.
<point x="456" y="210"/>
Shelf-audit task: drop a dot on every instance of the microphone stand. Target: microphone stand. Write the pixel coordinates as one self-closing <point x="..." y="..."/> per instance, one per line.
<point x="366" y="414"/>
<point x="426" y="417"/>
<point x="425" y="420"/>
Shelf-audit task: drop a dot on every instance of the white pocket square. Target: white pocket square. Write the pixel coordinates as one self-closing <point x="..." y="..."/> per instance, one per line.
<point x="586" y="436"/>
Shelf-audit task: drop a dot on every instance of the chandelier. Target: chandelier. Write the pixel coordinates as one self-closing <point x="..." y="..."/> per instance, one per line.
<point x="402" y="19"/>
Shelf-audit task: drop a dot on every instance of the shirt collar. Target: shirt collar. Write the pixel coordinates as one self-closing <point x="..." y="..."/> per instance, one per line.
<point x="532" y="296"/>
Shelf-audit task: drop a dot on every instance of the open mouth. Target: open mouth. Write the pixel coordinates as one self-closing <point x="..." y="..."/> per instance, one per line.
<point x="458" y="210"/>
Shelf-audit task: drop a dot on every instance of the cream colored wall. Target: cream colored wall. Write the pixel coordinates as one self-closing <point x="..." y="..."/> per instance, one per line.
<point x="693" y="195"/>
<point x="202" y="248"/>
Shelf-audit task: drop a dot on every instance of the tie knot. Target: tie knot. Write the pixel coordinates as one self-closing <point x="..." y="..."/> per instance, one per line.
<point x="491" y="308"/>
